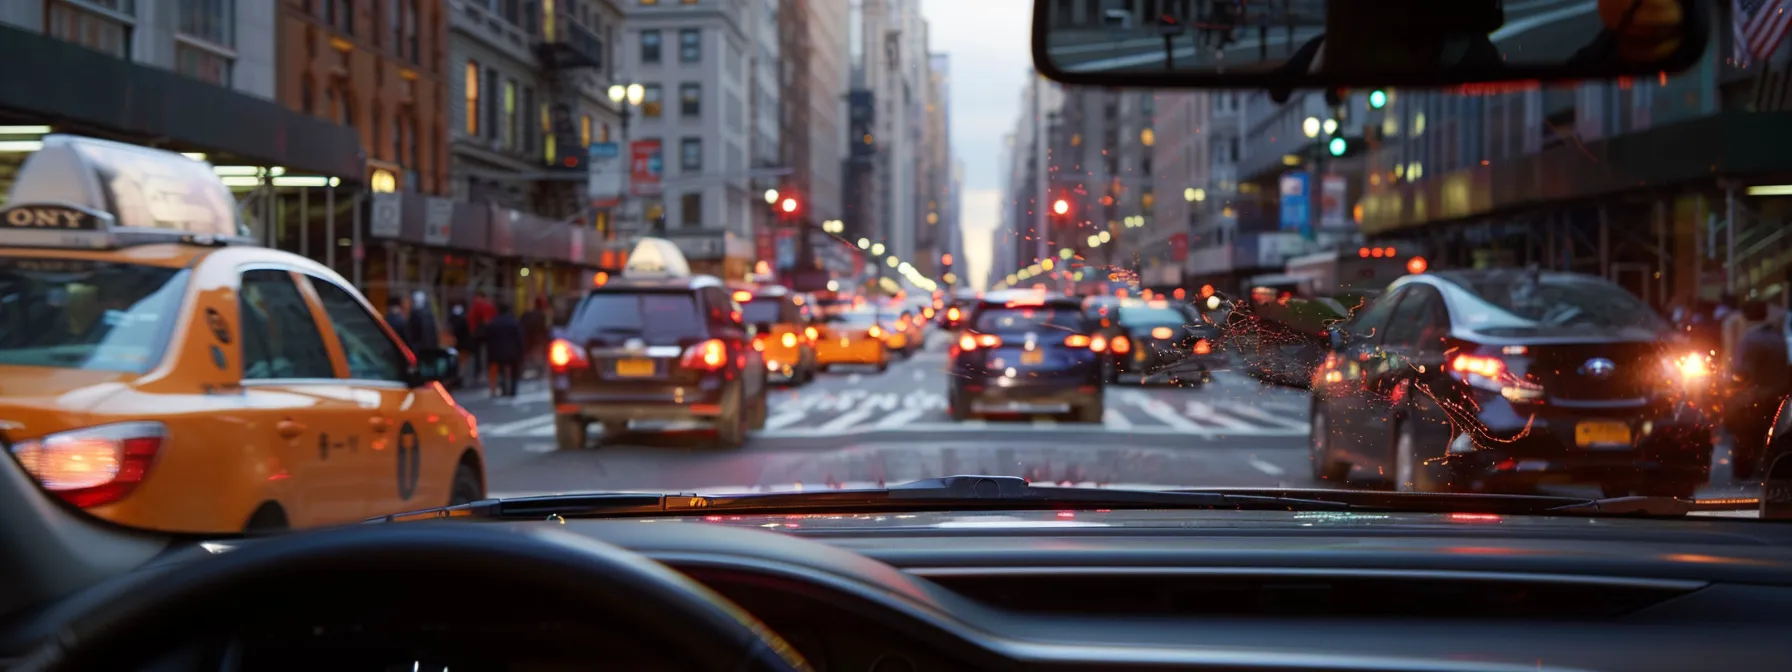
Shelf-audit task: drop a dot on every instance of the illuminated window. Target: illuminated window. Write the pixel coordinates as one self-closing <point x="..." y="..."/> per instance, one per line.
<point x="650" y="101"/>
<point x="585" y="130"/>
<point x="472" y="98"/>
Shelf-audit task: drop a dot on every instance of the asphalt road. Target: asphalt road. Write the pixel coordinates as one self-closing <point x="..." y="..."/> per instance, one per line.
<point x="1535" y="32"/>
<point x="861" y="428"/>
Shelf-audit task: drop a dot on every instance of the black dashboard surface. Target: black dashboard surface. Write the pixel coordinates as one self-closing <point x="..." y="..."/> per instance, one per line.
<point x="1223" y="590"/>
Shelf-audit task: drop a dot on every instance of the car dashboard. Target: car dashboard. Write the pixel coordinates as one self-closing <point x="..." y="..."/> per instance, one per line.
<point x="1121" y="590"/>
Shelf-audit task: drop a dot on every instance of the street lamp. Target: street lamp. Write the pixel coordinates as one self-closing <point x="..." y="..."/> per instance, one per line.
<point x="1331" y="126"/>
<point x="864" y="243"/>
<point x="877" y="248"/>
<point x="771" y="196"/>
<point x="1310" y="127"/>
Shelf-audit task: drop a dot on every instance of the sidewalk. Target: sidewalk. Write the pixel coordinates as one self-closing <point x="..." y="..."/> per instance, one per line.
<point x="477" y="397"/>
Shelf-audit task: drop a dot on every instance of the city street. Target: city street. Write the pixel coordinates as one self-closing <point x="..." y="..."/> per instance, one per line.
<point x="862" y="428"/>
<point x="1535" y="31"/>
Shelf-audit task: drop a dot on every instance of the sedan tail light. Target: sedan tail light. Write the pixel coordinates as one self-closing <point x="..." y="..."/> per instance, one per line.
<point x="1098" y="344"/>
<point x="1202" y="347"/>
<point x="952" y="314"/>
<point x="970" y="342"/>
<point x="709" y="355"/>
<point x="563" y="355"/>
<point x="1121" y="345"/>
<point x="93" y="466"/>
<point x="1077" y="341"/>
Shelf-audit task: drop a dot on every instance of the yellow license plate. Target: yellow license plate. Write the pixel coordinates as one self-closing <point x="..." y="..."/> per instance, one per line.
<point x="1138" y="355"/>
<point x="1601" y="433"/>
<point x="844" y="341"/>
<point x="634" y="367"/>
<point x="1034" y="357"/>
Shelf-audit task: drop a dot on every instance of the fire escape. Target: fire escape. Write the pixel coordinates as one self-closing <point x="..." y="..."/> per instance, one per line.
<point x="569" y="54"/>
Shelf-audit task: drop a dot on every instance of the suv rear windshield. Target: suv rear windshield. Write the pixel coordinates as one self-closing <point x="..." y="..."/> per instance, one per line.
<point x="771" y="311"/>
<point x="654" y="316"/>
<point x="87" y="314"/>
<point x="999" y="318"/>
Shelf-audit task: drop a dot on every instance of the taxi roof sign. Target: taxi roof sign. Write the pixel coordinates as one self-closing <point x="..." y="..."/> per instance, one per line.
<point x="81" y="192"/>
<point x="656" y="258"/>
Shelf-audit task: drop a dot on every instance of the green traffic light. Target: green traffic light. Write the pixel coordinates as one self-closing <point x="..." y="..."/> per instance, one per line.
<point x="1378" y="99"/>
<point x="1336" y="146"/>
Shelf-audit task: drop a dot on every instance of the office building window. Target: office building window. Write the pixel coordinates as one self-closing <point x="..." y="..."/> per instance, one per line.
<point x="211" y="20"/>
<point x="472" y="100"/>
<point x="603" y="133"/>
<point x="493" y="104"/>
<point x="398" y="124"/>
<point x="510" y="120"/>
<point x="307" y="96"/>
<point x="690" y="210"/>
<point x="201" y="63"/>
<point x="530" y="134"/>
<point x="107" y="33"/>
<point x="410" y="30"/>
<point x="650" y="100"/>
<point x="690" y="155"/>
<point x="345" y="16"/>
<point x="690" y="99"/>
<point x="690" y="45"/>
<point x="650" y="46"/>
<point x="374" y="129"/>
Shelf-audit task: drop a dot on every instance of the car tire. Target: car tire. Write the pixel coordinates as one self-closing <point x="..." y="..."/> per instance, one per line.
<point x="883" y="366"/>
<point x="571" y="432"/>
<point x="466" y="486"/>
<point x="1091" y="413"/>
<point x="269" y="518"/>
<point x="957" y="407"/>
<point x="1410" y="474"/>
<point x="731" y="425"/>
<point x="1319" y="448"/>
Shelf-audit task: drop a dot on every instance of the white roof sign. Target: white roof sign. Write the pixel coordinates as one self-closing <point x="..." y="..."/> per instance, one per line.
<point x="105" y="191"/>
<point x="656" y="258"/>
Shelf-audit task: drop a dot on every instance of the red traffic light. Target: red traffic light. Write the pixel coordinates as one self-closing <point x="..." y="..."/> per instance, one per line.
<point x="789" y="205"/>
<point x="1061" y="206"/>
<point x="946" y="259"/>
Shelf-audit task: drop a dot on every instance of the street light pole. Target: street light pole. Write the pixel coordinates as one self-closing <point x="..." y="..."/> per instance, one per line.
<point x="626" y="97"/>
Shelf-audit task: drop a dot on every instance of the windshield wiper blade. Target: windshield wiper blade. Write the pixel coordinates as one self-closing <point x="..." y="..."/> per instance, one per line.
<point x="1482" y="503"/>
<point x="951" y="493"/>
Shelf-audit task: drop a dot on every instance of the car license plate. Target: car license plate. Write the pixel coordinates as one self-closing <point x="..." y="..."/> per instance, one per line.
<point x="1034" y="357"/>
<point x="634" y="368"/>
<point x="1601" y="433"/>
<point x="1138" y="355"/>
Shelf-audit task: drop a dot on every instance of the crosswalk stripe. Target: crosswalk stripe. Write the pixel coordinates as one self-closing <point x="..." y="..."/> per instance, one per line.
<point x="1113" y="419"/>
<point x="1256" y="414"/>
<point x="898" y="419"/>
<point x="785" y="418"/>
<point x="1164" y="414"/>
<point x="846" y="419"/>
<point x="516" y="426"/>
<point x="1206" y="413"/>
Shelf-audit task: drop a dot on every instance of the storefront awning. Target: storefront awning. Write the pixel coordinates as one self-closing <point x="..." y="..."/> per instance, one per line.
<point x="1732" y="144"/>
<point x="63" y="83"/>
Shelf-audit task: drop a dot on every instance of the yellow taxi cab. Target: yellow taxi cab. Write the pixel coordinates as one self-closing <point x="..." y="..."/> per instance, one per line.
<point x="852" y="337"/>
<point x="782" y="332"/>
<point x="178" y="377"/>
<point x="899" y="332"/>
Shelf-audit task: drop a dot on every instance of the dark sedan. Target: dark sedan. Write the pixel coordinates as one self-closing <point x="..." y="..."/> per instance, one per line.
<point x="1506" y="380"/>
<point x="1025" y="352"/>
<point x="1159" y="340"/>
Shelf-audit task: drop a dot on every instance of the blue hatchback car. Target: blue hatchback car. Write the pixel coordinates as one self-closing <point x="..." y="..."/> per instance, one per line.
<point x="1027" y="352"/>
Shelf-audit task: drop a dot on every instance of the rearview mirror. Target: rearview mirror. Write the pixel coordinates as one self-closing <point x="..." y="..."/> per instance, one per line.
<point x="1284" y="45"/>
<point x="436" y="365"/>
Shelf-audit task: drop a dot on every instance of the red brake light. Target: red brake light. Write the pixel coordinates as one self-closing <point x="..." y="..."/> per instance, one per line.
<point x="989" y="340"/>
<point x="1077" y="341"/>
<point x="93" y="466"/>
<point x="1121" y="345"/>
<point x="1098" y="344"/>
<point x="967" y="343"/>
<point x="743" y="296"/>
<point x="1486" y="367"/>
<point x="1162" y="333"/>
<point x="562" y="355"/>
<point x="952" y="313"/>
<point x="1202" y="348"/>
<point x="875" y="331"/>
<point x="811" y="333"/>
<point x="709" y="355"/>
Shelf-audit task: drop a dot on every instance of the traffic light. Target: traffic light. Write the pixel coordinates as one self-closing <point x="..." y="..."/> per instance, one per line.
<point x="946" y="259"/>
<point x="1342" y="147"/>
<point x="788" y="206"/>
<point x="1061" y="207"/>
<point x="1378" y="99"/>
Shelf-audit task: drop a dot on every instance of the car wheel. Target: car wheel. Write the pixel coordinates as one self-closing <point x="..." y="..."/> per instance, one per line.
<point x="883" y="366"/>
<point x="957" y="406"/>
<point x="570" y="432"/>
<point x="269" y="518"/>
<point x="1319" y="443"/>
<point x="1091" y="413"/>
<point x="731" y="425"/>
<point x="466" y="487"/>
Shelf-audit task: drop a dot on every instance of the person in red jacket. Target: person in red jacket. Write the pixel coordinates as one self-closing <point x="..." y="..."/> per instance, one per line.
<point x="478" y="315"/>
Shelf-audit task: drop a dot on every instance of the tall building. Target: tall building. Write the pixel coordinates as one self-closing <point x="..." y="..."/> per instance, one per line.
<point x="1183" y="174"/>
<point x="1031" y="164"/>
<point x="935" y="171"/>
<point x="826" y="66"/>
<point x="813" y="55"/>
<point x="886" y="114"/>
<point x="696" y="61"/>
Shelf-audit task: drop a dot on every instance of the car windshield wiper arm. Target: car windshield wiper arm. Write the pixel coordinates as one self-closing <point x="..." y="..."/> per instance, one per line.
<point x="952" y="493"/>
<point x="1428" y="502"/>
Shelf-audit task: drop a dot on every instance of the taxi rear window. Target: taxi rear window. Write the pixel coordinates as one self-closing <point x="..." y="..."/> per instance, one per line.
<point x="87" y="314"/>
<point x="769" y="311"/>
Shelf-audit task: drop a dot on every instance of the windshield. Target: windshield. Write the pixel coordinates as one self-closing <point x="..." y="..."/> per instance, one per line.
<point x="86" y="315"/>
<point x="972" y="268"/>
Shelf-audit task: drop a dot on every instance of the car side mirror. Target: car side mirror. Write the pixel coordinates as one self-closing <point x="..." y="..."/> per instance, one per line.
<point x="436" y="365"/>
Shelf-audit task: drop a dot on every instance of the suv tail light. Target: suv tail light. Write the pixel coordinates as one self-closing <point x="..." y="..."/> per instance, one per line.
<point x="1121" y="345"/>
<point x="709" y="355"/>
<point x="563" y="355"/>
<point x="93" y="466"/>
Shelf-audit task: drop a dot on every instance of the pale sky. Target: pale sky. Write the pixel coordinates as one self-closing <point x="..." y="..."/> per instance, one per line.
<point x="988" y="41"/>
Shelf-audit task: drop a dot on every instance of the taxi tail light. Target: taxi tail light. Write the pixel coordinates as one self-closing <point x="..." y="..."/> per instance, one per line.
<point x="875" y="331"/>
<point x="709" y="355"/>
<point x="811" y="333"/>
<point x="1078" y="341"/>
<point x="759" y="343"/>
<point x="789" y="340"/>
<point x="1121" y="345"/>
<point x="1202" y="347"/>
<point x="564" y="354"/>
<point x="93" y="466"/>
<point x="952" y="314"/>
<point x="1098" y="344"/>
<point x="902" y="326"/>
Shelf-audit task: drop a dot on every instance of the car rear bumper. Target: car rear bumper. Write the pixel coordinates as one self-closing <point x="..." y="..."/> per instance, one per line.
<point x="642" y="401"/>
<point x="1003" y="394"/>
<point x="857" y="352"/>
<point x="1662" y="448"/>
